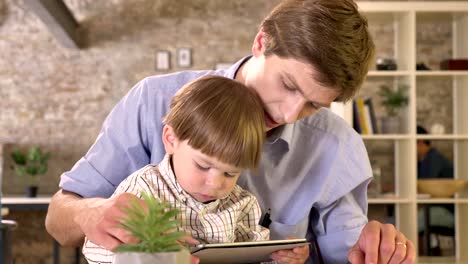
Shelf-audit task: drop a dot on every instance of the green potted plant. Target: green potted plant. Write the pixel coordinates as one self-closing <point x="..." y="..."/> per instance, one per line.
<point x="393" y="100"/>
<point x="29" y="166"/>
<point x="154" y="226"/>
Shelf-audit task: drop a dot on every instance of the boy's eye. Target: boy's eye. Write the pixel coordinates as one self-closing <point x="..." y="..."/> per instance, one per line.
<point x="230" y="175"/>
<point x="201" y="167"/>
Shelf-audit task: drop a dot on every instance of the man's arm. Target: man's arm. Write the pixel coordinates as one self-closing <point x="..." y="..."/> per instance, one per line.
<point x="60" y="223"/>
<point x="71" y="217"/>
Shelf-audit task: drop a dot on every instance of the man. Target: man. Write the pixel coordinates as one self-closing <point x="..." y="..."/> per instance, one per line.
<point x="314" y="171"/>
<point x="431" y="163"/>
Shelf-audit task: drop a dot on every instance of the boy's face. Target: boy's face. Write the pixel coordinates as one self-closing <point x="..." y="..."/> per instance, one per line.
<point x="203" y="177"/>
<point x="286" y="86"/>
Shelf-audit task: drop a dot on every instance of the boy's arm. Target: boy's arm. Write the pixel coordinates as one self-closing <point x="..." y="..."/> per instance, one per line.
<point x="248" y="227"/>
<point x="96" y="254"/>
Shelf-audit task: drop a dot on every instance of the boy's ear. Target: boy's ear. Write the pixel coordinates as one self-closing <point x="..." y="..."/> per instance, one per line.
<point x="259" y="44"/>
<point x="169" y="139"/>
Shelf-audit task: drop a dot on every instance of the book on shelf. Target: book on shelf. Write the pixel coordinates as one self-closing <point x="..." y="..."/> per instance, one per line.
<point x="364" y="120"/>
<point x="356" y="121"/>
<point x="373" y="120"/>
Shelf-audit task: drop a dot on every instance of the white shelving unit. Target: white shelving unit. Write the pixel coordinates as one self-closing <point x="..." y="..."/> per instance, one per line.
<point x="402" y="19"/>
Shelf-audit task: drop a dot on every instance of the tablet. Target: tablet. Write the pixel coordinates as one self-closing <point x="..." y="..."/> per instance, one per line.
<point x="243" y="252"/>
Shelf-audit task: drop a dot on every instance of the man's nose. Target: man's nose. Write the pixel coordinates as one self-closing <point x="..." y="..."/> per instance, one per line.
<point x="293" y="110"/>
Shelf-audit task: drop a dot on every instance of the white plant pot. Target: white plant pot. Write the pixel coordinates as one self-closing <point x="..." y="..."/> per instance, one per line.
<point x="178" y="257"/>
<point x="391" y="125"/>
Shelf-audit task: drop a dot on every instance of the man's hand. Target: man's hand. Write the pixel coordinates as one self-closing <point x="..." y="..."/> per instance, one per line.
<point x="101" y="221"/>
<point x="381" y="244"/>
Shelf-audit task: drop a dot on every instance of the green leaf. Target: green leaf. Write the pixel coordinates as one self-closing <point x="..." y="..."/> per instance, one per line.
<point x="34" y="162"/>
<point x="20" y="171"/>
<point x="154" y="226"/>
<point x="32" y="170"/>
<point x="393" y="100"/>
<point x="18" y="157"/>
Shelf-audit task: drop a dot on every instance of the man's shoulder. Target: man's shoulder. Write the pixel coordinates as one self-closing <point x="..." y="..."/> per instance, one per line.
<point x="174" y="81"/>
<point x="327" y="124"/>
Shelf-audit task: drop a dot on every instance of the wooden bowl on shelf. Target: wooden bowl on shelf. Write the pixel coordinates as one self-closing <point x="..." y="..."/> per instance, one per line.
<point x="440" y="188"/>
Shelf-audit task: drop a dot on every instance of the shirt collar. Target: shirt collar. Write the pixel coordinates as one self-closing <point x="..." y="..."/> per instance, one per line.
<point x="284" y="133"/>
<point x="231" y="71"/>
<point x="168" y="174"/>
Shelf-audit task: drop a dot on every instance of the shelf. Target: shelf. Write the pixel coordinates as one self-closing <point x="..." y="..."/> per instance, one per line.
<point x="442" y="137"/>
<point x="404" y="137"/>
<point x="386" y="137"/>
<point x="443" y="201"/>
<point x="385" y="200"/>
<point x="440" y="260"/>
<point x="441" y="73"/>
<point x="13" y="200"/>
<point x="387" y="73"/>
<point x="412" y="32"/>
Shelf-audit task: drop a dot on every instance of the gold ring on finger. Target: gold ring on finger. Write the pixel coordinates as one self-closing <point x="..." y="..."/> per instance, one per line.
<point x="401" y="243"/>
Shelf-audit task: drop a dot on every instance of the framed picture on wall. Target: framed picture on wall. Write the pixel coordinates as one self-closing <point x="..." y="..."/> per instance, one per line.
<point x="162" y="60"/>
<point x="184" y="57"/>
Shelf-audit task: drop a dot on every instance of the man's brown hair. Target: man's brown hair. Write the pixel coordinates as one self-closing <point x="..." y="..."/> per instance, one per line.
<point x="220" y="117"/>
<point x="330" y="35"/>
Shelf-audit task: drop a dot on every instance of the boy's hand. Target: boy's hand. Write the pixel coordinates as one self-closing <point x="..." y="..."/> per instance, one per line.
<point x="297" y="255"/>
<point x="189" y="240"/>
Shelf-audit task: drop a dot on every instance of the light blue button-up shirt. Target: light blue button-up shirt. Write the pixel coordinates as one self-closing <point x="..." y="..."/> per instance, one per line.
<point x="313" y="174"/>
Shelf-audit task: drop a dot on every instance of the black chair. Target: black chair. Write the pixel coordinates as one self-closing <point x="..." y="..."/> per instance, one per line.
<point x="436" y="230"/>
<point x="6" y="241"/>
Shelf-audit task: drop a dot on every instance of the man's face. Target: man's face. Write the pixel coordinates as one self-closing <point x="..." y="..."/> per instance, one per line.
<point x="287" y="88"/>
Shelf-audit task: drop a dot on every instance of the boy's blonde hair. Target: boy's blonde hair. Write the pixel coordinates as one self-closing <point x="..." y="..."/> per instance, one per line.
<point x="330" y="35"/>
<point x="220" y="117"/>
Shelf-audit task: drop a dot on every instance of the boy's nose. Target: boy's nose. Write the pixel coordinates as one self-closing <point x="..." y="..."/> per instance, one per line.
<point x="214" y="181"/>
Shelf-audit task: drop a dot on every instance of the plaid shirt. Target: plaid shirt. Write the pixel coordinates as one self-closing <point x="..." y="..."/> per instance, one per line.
<point x="233" y="218"/>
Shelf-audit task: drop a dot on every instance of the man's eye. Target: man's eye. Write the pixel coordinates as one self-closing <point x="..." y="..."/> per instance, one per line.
<point x="312" y="105"/>
<point x="289" y="88"/>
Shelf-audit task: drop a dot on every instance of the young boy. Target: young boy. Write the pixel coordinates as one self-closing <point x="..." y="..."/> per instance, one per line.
<point x="212" y="132"/>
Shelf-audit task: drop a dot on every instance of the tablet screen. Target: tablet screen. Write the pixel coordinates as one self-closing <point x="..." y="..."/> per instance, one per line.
<point x="243" y="252"/>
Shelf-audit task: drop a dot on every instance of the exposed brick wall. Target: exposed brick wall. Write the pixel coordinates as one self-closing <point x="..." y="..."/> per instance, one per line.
<point x="58" y="98"/>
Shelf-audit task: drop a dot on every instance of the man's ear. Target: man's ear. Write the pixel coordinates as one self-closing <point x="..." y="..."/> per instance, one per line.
<point x="169" y="139"/>
<point x="259" y="44"/>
